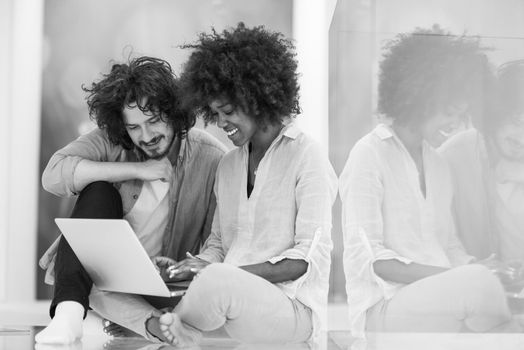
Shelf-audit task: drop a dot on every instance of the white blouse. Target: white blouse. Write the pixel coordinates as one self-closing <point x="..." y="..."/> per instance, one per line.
<point x="288" y="215"/>
<point x="386" y="216"/>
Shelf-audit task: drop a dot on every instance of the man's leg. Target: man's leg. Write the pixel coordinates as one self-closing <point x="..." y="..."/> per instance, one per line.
<point x="466" y="298"/>
<point x="99" y="200"/>
<point x="250" y="308"/>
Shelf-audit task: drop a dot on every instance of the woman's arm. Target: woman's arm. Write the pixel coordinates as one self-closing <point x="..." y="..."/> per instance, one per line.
<point x="282" y="271"/>
<point x="396" y="271"/>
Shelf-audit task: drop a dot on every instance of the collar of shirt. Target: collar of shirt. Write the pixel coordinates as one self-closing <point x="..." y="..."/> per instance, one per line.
<point x="384" y="132"/>
<point x="179" y="150"/>
<point x="290" y="130"/>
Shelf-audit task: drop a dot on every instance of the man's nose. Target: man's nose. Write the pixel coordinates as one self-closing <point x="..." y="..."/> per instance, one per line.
<point x="147" y="136"/>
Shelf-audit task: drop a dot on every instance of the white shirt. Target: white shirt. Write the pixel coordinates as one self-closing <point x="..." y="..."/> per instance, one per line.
<point x="148" y="217"/>
<point x="509" y="211"/>
<point x="489" y="200"/>
<point x="287" y="216"/>
<point x="385" y="216"/>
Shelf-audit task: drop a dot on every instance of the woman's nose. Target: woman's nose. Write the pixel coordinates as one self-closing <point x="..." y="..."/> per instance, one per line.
<point x="221" y="120"/>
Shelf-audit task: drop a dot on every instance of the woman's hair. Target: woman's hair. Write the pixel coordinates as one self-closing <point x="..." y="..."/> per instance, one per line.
<point x="428" y="70"/>
<point x="508" y="96"/>
<point x="251" y="68"/>
<point x="145" y="82"/>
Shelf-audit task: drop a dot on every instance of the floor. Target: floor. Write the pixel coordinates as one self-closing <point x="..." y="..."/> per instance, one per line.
<point x="19" y="323"/>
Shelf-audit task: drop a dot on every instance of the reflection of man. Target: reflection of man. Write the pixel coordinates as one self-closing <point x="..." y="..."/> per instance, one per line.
<point x="143" y="164"/>
<point x="488" y="170"/>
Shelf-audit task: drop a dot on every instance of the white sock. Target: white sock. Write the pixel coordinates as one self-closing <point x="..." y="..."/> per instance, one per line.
<point x="65" y="327"/>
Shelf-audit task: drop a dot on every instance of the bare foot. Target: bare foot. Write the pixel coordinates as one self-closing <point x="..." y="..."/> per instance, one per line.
<point x="178" y="333"/>
<point x="65" y="327"/>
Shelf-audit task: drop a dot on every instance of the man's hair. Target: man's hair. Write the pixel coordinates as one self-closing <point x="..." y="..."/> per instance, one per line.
<point x="145" y="82"/>
<point x="251" y="68"/>
<point x="425" y="71"/>
<point x="508" y="96"/>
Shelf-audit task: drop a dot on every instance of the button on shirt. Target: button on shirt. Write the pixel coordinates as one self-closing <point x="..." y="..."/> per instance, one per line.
<point x="385" y="216"/>
<point x="288" y="214"/>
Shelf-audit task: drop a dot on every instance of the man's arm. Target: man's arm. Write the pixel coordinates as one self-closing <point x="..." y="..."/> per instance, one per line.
<point x="88" y="171"/>
<point x="92" y="157"/>
<point x="396" y="271"/>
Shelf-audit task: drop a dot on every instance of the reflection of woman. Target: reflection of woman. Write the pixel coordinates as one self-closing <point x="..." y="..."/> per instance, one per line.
<point x="405" y="268"/>
<point x="263" y="273"/>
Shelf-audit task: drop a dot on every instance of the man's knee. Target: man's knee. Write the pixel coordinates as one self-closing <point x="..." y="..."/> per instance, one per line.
<point x="99" y="199"/>
<point x="102" y="189"/>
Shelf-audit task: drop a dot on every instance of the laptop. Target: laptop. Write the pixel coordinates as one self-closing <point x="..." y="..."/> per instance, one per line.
<point x="115" y="259"/>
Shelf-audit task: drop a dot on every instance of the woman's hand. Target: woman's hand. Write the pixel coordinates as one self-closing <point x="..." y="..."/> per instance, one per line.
<point x="162" y="263"/>
<point x="508" y="272"/>
<point x="186" y="269"/>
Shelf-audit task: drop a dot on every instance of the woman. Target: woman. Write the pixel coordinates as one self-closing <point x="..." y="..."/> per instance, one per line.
<point x="263" y="273"/>
<point x="406" y="270"/>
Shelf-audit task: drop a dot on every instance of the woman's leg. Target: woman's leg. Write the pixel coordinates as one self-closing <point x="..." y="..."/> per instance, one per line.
<point x="469" y="297"/>
<point x="250" y="308"/>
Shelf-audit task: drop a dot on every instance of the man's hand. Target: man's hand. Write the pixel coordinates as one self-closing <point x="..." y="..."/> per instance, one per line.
<point x="186" y="269"/>
<point x="162" y="263"/>
<point x="153" y="169"/>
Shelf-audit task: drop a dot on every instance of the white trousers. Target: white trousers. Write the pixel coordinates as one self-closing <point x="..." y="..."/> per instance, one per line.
<point x="466" y="298"/>
<point x="249" y="308"/>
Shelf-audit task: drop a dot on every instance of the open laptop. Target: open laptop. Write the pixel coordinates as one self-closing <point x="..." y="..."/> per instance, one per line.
<point x="113" y="257"/>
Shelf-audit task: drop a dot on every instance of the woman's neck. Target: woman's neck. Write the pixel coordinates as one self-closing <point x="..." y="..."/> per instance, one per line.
<point x="411" y="138"/>
<point x="261" y="141"/>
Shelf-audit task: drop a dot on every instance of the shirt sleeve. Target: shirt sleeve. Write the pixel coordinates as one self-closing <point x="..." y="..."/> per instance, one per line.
<point x="58" y="176"/>
<point x="315" y="193"/>
<point x="362" y="193"/>
<point x="212" y="250"/>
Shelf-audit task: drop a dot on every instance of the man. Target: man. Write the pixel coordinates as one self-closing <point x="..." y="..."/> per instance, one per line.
<point x="145" y="164"/>
<point x="488" y="171"/>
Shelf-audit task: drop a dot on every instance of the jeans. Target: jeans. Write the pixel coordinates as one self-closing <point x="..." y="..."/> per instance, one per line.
<point x="98" y="200"/>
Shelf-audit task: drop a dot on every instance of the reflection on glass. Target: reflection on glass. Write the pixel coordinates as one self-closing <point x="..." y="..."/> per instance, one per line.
<point x="406" y="267"/>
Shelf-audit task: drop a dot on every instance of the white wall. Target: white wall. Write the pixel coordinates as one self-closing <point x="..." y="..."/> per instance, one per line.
<point x="5" y="31"/>
<point x="311" y="19"/>
<point x="20" y="91"/>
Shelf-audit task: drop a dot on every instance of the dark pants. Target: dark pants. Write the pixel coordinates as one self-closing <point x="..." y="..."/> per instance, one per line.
<point x="98" y="200"/>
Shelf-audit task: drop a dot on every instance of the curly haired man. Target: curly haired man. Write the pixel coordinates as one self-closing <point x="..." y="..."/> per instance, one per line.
<point x="143" y="163"/>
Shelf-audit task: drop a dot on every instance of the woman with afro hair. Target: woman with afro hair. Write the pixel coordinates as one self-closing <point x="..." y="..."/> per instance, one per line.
<point x="263" y="273"/>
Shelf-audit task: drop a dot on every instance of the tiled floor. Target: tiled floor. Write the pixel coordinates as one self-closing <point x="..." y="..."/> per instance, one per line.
<point x="19" y="323"/>
<point x="23" y="338"/>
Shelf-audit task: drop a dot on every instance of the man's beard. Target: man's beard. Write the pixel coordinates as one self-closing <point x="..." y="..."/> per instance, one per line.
<point x="156" y="156"/>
